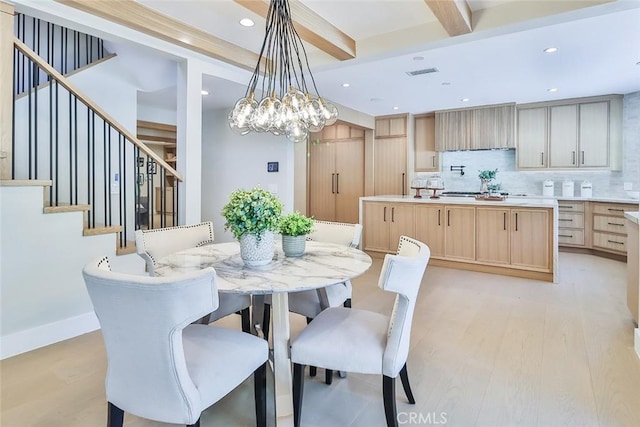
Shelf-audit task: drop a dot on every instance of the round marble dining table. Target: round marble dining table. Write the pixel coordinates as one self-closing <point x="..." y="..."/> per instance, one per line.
<point x="321" y="265"/>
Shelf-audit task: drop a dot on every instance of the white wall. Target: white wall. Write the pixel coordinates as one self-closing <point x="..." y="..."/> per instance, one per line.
<point x="231" y="161"/>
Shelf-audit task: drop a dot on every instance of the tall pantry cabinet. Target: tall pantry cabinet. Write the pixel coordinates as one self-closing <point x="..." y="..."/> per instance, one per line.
<point x="336" y="173"/>
<point x="390" y="156"/>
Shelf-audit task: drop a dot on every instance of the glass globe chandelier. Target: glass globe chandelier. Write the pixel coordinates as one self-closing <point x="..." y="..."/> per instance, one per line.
<point x="288" y="107"/>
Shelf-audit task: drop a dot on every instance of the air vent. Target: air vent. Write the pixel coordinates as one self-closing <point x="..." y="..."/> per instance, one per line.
<point x="423" y="71"/>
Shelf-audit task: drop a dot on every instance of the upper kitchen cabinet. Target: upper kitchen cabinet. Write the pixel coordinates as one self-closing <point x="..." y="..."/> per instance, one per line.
<point x="583" y="133"/>
<point x="391" y="126"/>
<point x="426" y="157"/>
<point x="532" y="138"/>
<point x="390" y="156"/>
<point x="476" y="128"/>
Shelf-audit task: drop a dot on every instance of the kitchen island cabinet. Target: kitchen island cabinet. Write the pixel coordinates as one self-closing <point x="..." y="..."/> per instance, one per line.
<point x="384" y="223"/>
<point x="516" y="237"/>
<point x="633" y="284"/>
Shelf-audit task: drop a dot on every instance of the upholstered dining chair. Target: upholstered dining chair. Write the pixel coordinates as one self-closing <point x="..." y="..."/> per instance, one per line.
<point x="156" y="243"/>
<point x="366" y="342"/>
<point x="307" y="303"/>
<point x="160" y="366"/>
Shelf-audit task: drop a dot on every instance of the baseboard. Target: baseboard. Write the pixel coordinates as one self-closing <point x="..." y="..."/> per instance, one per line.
<point x="31" y="339"/>
<point x="636" y="341"/>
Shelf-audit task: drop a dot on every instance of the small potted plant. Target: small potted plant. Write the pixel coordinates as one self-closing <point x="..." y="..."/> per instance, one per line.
<point x="494" y="189"/>
<point x="294" y="228"/>
<point x="486" y="176"/>
<point x="253" y="216"/>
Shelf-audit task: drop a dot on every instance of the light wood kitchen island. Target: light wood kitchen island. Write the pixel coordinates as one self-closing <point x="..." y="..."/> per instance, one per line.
<point x="515" y="237"/>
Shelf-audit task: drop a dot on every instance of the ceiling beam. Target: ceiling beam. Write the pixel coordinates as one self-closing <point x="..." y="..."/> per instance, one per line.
<point x="312" y="28"/>
<point x="134" y="15"/>
<point x="454" y="15"/>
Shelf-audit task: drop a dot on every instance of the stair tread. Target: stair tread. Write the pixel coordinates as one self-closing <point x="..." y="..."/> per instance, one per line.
<point x="66" y="207"/>
<point x="101" y="229"/>
<point x="129" y="249"/>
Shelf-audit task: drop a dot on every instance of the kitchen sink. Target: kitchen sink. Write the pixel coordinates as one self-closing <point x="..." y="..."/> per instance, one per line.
<point x="465" y="193"/>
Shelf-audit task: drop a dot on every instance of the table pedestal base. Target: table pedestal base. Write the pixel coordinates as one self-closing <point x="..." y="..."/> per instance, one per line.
<point x="282" y="359"/>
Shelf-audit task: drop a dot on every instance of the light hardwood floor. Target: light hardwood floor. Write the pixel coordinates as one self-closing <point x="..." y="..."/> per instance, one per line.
<point x="486" y="350"/>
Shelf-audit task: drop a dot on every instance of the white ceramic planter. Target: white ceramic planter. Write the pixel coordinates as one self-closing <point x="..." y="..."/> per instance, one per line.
<point x="256" y="252"/>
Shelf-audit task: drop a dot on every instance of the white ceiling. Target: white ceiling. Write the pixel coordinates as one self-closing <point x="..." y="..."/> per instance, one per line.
<point x="598" y="53"/>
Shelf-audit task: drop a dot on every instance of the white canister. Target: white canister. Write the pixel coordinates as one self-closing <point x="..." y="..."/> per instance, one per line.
<point x="547" y="188"/>
<point x="567" y="188"/>
<point x="586" y="189"/>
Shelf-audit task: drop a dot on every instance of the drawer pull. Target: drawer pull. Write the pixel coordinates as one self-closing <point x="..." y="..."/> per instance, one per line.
<point x="615" y="210"/>
<point x="614" y="223"/>
<point x="564" y="219"/>
<point x="565" y="235"/>
<point x="613" y="241"/>
<point x="565" y="207"/>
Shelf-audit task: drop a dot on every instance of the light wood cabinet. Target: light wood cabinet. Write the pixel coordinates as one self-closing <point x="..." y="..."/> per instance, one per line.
<point x="532" y="138"/>
<point x="390" y="166"/>
<point x="530" y="246"/>
<point x="632" y="270"/>
<point x="430" y="227"/>
<point x="460" y="233"/>
<point x="476" y="128"/>
<point x="609" y="227"/>
<point x="384" y="223"/>
<point x="336" y="179"/>
<point x="426" y="158"/>
<point x="493" y="235"/>
<point x="389" y="126"/>
<point x="571" y="230"/>
<point x="568" y="134"/>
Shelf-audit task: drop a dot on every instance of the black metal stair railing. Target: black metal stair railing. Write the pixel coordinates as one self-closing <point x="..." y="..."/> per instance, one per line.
<point x="64" y="49"/>
<point x="59" y="134"/>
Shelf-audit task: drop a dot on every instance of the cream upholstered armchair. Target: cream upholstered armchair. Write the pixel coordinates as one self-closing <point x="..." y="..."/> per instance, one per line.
<point x="160" y="366"/>
<point x="307" y="303"/>
<point x="366" y="342"/>
<point x="156" y="243"/>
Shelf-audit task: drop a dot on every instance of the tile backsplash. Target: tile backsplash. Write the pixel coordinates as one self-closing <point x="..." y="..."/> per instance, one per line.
<point x="605" y="183"/>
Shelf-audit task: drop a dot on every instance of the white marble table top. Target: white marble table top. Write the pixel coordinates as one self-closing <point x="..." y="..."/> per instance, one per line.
<point x="321" y="265"/>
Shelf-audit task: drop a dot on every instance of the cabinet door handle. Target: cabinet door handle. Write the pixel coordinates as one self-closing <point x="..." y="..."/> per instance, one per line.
<point x="516" y="221"/>
<point x="564" y="219"/>
<point x="433" y="161"/>
<point x="565" y="207"/>
<point x="448" y="218"/>
<point x="403" y="183"/>
<point x="615" y="223"/>
<point x="615" y="210"/>
<point x="565" y="235"/>
<point x="384" y="214"/>
<point x="393" y="214"/>
<point x="573" y="157"/>
<point x="337" y="183"/>
<point x="333" y="188"/>
<point x="613" y="241"/>
<point x="438" y="217"/>
<point x="582" y="154"/>
<point x="504" y="220"/>
<point x="542" y="159"/>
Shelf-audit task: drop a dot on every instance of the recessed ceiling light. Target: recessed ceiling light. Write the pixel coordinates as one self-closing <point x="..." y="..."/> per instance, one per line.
<point x="551" y="50"/>
<point x="465" y="100"/>
<point x="553" y="89"/>
<point x="395" y="108"/>
<point x="246" y="22"/>
<point x="418" y="58"/>
<point x="204" y="92"/>
<point x="345" y="84"/>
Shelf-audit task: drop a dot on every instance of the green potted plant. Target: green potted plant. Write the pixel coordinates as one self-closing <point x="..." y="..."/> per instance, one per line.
<point x="486" y="176"/>
<point x="494" y="189"/>
<point x="253" y="216"/>
<point x="294" y="228"/>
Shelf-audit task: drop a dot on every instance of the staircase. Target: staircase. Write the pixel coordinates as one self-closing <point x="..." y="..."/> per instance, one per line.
<point x="85" y="160"/>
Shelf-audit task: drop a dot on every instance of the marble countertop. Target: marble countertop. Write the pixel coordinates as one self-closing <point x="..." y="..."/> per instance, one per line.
<point x="591" y="199"/>
<point x="321" y="265"/>
<point x="509" y="201"/>
<point x="632" y="216"/>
